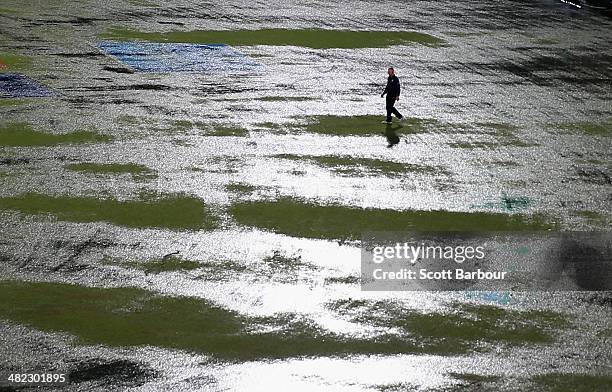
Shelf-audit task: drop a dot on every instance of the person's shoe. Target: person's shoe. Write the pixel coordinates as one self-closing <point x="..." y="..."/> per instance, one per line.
<point x="385" y="122"/>
<point x="404" y="119"/>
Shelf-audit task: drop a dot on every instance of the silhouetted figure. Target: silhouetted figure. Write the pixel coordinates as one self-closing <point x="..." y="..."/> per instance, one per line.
<point x="393" y="92"/>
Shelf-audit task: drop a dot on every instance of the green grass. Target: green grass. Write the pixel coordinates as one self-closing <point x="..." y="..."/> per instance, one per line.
<point x="172" y="212"/>
<point x="603" y="128"/>
<point x="13" y="101"/>
<point x="137" y="171"/>
<point x="363" y="125"/>
<point x="310" y="38"/>
<point x="124" y="317"/>
<point x="349" y="165"/>
<point x="302" y="219"/>
<point x="562" y="382"/>
<point x="227" y="131"/>
<point x="22" y="135"/>
<point x="240" y="188"/>
<point x="13" y="62"/>
<point x="461" y="329"/>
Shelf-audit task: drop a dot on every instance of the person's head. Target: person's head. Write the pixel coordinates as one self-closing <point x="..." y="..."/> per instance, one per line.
<point x="391" y="71"/>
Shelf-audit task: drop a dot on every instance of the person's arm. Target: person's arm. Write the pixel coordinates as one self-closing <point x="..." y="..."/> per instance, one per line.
<point x="398" y="90"/>
<point x="386" y="90"/>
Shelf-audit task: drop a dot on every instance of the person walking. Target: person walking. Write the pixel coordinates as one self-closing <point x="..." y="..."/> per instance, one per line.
<point x="393" y="92"/>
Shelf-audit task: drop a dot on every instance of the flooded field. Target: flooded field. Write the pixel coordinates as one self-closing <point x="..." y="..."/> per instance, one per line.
<point x="185" y="186"/>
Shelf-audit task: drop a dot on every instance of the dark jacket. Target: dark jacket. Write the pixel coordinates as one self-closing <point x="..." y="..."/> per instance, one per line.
<point x="393" y="87"/>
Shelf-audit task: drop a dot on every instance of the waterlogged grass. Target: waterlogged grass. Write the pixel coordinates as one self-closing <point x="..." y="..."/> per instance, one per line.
<point x="22" y="135"/>
<point x="366" y="125"/>
<point x="137" y="171"/>
<point x="547" y="41"/>
<point x="227" y="131"/>
<point x="165" y="264"/>
<point x="463" y="329"/>
<point x="363" y="125"/>
<point x="133" y="317"/>
<point x="603" y="128"/>
<point x="492" y="145"/>
<point x="302" y="219"/>
<point x="310" y="38"/>
<point x="240" y="188"/>
<point x="13" y="101"/>
<point x="284" y="98"/>
<point x="13" y="62"/>
<point x="396" y="387"/>
<point x="474" y="378"/>
<point x="562" y="382"/>
<point x="349" y="165"/>
<point x="606" y="333"/>
<point x="183" y="126"/>
<point x="174" y="212"/>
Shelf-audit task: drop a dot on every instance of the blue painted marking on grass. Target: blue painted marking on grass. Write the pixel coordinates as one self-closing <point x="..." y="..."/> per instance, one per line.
<point x="174" y="57"/>
<point x="497" y="297"/>
<point x="15" y="85"/>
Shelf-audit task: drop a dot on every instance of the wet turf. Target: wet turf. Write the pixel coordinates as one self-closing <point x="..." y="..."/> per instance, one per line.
<point x="284" y="99"/>
<point x="590" y="128"/>
<point x="137" y="171"/>
<point x="349" y="165"/>
<point x="240" y="188"/>
<point x="227" y="131"/>
<point x="311" y="38"/>
<point x="165" y="264"/>
<point x="172" y="212"/>
<point x="561" y="382"/>
<point x="13" y="102"/>
<point x="22" y="135"/>
<point x="302" y="219"/>
<point x="463" y="327"/>
<point x="364" y="125"/>
<point x="13" y="62"/>
<point x="133" y="317"/>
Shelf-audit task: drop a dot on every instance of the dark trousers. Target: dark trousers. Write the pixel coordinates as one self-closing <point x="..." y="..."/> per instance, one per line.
<point x="391" y="109"/>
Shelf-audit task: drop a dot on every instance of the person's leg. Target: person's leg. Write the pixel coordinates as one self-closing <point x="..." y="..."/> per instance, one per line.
<point x="389" y="108"/>
<point x="397" y="114"/>
<point x="391" y="105"/>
